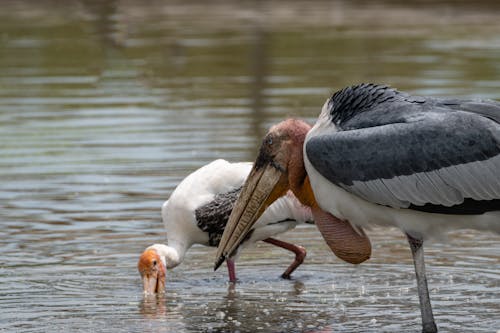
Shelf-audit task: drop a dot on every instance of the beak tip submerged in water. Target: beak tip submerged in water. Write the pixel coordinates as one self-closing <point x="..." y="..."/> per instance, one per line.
<point x="153" y="284"/>
<point x="149" y="284"/>
<point x="218" y="262"/>
<point x="152" y="271"/>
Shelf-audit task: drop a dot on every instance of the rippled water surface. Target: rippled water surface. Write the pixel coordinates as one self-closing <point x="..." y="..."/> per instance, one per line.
<point x="106" y="106"/>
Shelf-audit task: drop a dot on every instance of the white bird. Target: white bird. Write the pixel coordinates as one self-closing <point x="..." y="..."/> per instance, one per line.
<point x="380" y="156"/>
<point x="197" y="212"/>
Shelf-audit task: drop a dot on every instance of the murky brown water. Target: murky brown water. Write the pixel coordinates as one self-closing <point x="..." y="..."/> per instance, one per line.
<point x="104" y="108"/>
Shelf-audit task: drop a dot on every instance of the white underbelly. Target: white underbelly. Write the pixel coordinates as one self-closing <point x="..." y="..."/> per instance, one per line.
<point x="360" y="212"/>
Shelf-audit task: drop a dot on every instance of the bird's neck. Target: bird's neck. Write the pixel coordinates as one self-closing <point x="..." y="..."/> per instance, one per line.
<point x="298" y="179"/>
<point x="347" y="243"/>
<point x="303" y="191"/>
<point x="172" y="253"/>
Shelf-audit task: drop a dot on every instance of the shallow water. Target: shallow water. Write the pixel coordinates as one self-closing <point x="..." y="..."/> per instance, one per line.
<point x="104" y="108"/>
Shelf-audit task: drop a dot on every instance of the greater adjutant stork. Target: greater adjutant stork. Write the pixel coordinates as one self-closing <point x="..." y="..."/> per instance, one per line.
<point x="197" y="212"/>
<point x="380" y="156"/>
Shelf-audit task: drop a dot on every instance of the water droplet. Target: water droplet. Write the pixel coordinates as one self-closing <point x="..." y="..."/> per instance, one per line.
<point x="220" y="315"/>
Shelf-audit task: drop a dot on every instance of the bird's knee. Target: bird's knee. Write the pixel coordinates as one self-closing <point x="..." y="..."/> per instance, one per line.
<point x="301" y="254"/>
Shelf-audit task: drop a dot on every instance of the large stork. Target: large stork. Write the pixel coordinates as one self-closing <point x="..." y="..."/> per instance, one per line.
<point x="380" y="156"/>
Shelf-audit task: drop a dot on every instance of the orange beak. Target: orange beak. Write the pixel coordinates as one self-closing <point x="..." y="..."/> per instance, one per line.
<point x="153" y="272"/>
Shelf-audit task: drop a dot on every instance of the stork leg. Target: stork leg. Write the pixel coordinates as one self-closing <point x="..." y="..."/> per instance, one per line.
<point x="300" y="254"/>
<point x="231" y="270"/>
<point x="417" y="250"/>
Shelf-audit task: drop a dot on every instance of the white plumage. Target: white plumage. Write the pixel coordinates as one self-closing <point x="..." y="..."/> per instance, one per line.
<point x="200" y="188"/>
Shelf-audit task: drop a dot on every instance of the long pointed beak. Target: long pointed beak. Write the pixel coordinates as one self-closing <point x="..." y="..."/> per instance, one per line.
<point x="149" y="283"/>
<point x="153" y="283"/>
<point x="259" y="191"/>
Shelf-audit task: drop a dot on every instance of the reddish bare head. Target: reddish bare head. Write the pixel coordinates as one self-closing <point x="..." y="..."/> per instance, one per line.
<point x="278" y="168"/>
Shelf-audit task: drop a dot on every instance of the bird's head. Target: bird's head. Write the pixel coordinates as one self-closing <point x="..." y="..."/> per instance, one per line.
<point x="152" y="268"/>
<point x="278" y="168"/>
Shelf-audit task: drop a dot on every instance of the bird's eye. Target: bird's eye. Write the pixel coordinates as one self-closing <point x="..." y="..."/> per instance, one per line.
<point x="154" y="262"/>
<point x="269" y="141"/>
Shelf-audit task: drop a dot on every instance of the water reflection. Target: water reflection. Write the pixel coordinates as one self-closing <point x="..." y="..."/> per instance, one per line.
<point x="153" y="306"/>
<point x="106" y="106"/>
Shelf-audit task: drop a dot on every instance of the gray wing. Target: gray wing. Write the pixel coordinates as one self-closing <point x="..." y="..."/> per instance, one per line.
<point x="486" y="108"/>
<point x="432" y="158"/>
